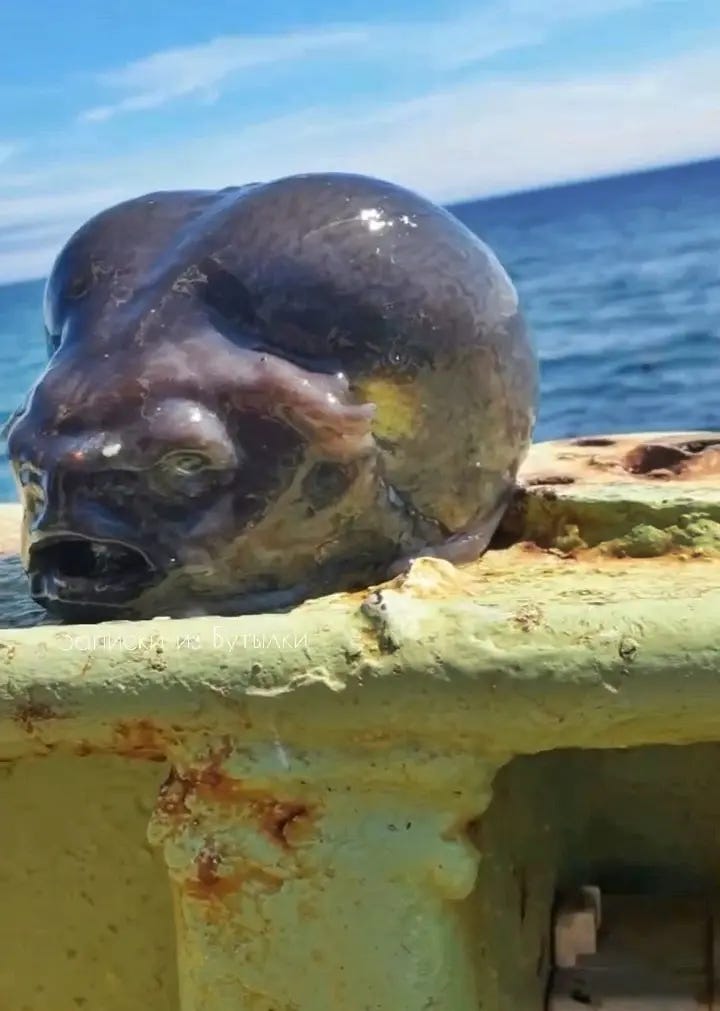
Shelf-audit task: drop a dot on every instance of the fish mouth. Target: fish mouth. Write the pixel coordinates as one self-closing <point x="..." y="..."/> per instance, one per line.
<point x="75" y="576"/>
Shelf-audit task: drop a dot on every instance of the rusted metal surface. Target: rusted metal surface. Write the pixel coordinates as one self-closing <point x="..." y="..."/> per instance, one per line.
<point x="659" y="456"/>
<point x="609" y="497"/>
<point x="324" y="776"/>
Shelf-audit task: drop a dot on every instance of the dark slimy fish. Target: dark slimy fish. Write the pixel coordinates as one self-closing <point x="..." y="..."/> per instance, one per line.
<point x="267" y="393"/>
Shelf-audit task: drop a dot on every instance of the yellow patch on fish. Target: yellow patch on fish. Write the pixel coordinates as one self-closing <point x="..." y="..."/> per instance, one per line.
<point x="398" y="406"/>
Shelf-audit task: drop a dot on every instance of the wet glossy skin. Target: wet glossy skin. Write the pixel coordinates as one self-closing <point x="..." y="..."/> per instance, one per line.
<point x="267" y="393"/>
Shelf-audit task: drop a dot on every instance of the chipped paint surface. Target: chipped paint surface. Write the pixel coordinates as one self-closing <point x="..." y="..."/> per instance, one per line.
<point x="316" y="783"/>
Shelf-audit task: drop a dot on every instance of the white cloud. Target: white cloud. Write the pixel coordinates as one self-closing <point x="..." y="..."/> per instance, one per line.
<point x="477" y="138"/>
<point x="38" y="207"/>
<point x="490" y="138"/>
<point x="203" y="70"/>
<point x="192" y="70"/>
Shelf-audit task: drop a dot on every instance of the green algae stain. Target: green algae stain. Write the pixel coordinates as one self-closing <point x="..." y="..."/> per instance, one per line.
<point x="642" y="541"/>
<point x="570" y="540"/>
<point x="696" y="532"/>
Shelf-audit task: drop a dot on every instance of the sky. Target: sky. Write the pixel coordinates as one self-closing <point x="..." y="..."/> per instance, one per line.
<point x="100" y="102"/>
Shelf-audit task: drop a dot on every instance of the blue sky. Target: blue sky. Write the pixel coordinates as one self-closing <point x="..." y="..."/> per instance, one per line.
<point x="100" y="101"/>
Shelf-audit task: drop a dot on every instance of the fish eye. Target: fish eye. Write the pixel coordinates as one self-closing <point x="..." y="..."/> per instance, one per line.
<point x="184" y="463"/>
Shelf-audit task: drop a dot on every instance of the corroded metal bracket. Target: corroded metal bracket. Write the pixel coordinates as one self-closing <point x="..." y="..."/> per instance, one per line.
<point x="298" y="878"/>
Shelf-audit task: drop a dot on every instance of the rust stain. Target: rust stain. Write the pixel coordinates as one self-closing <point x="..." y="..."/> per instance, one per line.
<point x="659" y="457"/>
<point x="207" y="863"/>
<point x="287" y="823"/>
<point x="172" y="796"/>
<point x="690" y="459"/>
<point x="220" y="887"/>
<point x="139" y="739"/>
<point x="280" y="820"/>
<point x="206" y="785"/>
<point x="130" y="739"/>
<point x="209" y="883"/>
<point x="31" y="712"/>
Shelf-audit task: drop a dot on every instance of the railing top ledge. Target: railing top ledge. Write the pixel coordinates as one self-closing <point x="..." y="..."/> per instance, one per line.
<point x="593" y="621"/>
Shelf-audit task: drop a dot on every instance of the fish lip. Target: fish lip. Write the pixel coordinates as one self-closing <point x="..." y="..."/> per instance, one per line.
<point x="115" y="574"/>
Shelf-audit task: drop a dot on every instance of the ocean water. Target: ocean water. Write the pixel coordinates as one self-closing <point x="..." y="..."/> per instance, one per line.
<point x="620" y="282"/>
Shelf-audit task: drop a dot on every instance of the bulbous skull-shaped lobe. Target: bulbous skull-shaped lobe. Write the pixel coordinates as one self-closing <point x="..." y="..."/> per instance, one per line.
<point x="266" y="393"/>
